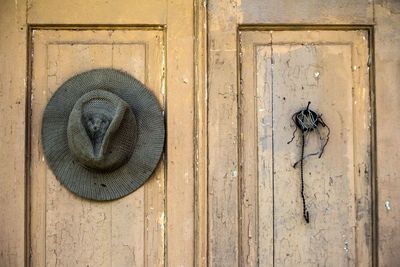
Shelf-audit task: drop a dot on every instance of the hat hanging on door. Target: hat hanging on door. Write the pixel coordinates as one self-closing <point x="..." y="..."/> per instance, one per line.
<point x="102" y="134"/>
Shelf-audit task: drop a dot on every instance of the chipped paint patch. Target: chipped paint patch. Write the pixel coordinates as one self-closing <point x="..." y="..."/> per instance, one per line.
<point x="161" y="221"/>
<point x="346" y="246"/>
<point x="387" y="205"/>
<point x="234" y="174"/>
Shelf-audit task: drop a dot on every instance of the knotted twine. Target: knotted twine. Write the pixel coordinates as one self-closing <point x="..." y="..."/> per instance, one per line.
<point x="307" y="120"/>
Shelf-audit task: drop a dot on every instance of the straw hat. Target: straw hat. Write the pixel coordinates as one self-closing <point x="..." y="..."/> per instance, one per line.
<point x="102" y="134"/>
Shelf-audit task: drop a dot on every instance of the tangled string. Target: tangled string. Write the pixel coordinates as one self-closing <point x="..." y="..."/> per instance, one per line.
<point x="307" y="121"/>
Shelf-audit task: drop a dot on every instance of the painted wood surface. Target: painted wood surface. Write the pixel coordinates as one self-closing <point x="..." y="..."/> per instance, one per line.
<point x="206" y="133"/>
<point x="387" y="69"/>
<point x="180" y="110"/>
<point x="223" y="212"/>
<point x="13" y="81"/>
<point x="73" y="12"/>
<point x="300" y="15"/>
<point x="280" y="73"/>
<point x="160" y="226"/>
<point x="66" y="229"/>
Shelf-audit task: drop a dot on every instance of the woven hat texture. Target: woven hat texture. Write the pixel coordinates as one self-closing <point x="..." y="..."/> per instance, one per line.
<point x="102" y="134"/>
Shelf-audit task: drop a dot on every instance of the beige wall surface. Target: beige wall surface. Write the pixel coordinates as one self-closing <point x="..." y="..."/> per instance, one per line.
<point x="202" y="194"/>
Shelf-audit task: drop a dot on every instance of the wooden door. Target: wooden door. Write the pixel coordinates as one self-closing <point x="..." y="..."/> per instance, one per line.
<point x="228" y="75"/>
<point x="153" y="41"/>
<point x="280" y="72"/>
<point x="267" y="59"/>
<point x="128" y="231"/>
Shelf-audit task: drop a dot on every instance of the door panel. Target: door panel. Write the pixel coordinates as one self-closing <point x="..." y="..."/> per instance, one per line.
<point x="280" y="71"/>
<point x="70" y="231"/>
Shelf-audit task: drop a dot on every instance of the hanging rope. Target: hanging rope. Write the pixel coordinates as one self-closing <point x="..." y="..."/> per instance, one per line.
<point x="307" y="121"/>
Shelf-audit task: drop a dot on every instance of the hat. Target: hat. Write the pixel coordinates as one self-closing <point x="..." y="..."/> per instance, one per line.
<point x="102" y="134"/>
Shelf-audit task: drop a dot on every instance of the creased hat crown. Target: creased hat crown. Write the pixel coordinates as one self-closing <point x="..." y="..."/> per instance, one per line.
<point x="101" y="130"/>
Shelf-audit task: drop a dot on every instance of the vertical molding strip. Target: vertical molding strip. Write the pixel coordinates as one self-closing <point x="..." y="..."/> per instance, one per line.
<point x="200" y="131"/>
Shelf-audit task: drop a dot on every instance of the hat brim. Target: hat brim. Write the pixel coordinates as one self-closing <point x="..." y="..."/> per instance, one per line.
<point x="86" y="182"/>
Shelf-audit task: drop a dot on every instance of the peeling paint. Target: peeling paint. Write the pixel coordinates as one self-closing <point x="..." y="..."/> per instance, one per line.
<point x="234" y="174"/>
<point x="387" y="205"/>
<point x="161" y="221"/>
<point x="346" y="246"/>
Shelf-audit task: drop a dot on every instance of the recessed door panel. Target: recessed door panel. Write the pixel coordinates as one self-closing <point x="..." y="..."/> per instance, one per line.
<point x="280" y="71"/>
<point x="67" y="230"/>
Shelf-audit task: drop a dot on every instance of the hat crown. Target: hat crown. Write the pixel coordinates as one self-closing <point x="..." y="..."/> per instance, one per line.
<point x="101" y="130"/>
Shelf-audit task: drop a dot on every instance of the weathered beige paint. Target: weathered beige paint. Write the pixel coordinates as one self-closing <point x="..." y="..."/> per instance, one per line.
<point x="201" y="156"/>
<point x="387" y="67"/>
<point x="225" y="216"/>
<point x="147" y="228"/>
<point x="12" y="120"/>
<point x="280" y="72"/>
<point x="128" y="231"/>
<point x="223" y="196"/>
<point x="180" y="99"/>
<point x="305" y="11"/>
<point x="204" y="133"/>
<point x="98" y="12"/>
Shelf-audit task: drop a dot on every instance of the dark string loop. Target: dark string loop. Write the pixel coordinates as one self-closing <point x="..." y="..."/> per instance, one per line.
<point x="307" y="121"/>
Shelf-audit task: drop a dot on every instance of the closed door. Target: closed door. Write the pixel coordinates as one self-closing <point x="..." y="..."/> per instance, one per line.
<point x="154" y="225"/>
<point x="281" y="72"/>
<point x="259" y="76"/>
<point x="228" y="76"/>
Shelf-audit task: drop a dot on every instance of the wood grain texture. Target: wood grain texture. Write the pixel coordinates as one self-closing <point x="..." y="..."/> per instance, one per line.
<point x="305" y="11"/>
<point x="387" y="66"/>
<point x="201" y="156"/>
<point x="180" y="134"/>
<point x="223" y="169"/>
<point x="128" y="231"/>
<point x="222" y="16"/>
<point x="281" y="71"/>
<point x="257" y="163"/>
<point x="12" y="142"/>
<point x="97" y="12"/>
<point x="236" y="225"/>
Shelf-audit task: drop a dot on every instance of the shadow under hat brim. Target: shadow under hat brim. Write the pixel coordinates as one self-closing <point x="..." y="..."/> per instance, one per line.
<point x="86" y="182"/>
